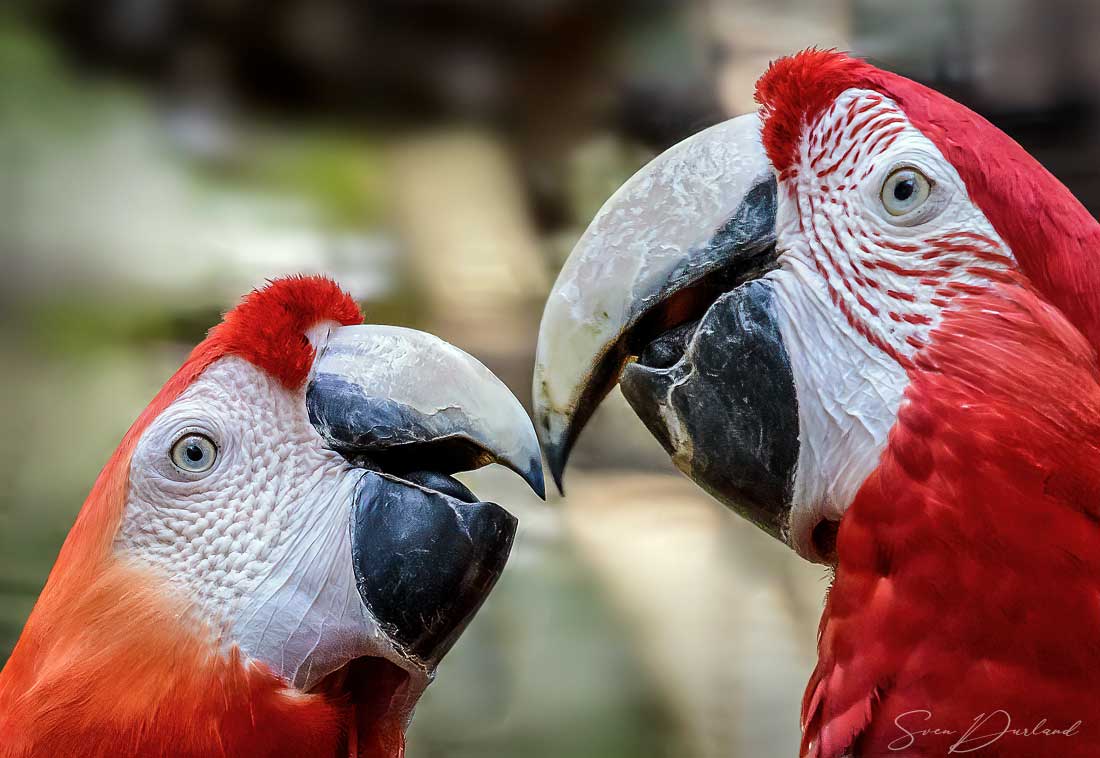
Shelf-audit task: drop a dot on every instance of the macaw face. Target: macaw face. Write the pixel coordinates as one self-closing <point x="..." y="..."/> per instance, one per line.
<point x="238" y="502"/>
<point x="876" y="237"/>
<point x="774" y="279"/>
<point x="311" y="525"/>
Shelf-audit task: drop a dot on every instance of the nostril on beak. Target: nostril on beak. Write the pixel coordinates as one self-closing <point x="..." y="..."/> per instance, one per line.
<point x="824" y="540"/>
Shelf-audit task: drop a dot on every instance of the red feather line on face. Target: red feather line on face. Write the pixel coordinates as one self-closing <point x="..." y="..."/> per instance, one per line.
<point x="104" y="656"/>
<point x="1054" y="239"/>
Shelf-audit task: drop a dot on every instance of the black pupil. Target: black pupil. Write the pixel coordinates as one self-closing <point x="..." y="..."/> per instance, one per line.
<point x="904" y="189"/>
<point x="194" y="453"/>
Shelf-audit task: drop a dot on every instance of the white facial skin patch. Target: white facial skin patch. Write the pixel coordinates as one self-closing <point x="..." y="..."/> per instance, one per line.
<point x="861" y="288"/>
<point x="259" y="543"/>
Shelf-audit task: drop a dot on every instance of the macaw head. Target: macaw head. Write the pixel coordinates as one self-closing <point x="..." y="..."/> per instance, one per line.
<point x="277" y="556"/>
<point x="763" y="290"/>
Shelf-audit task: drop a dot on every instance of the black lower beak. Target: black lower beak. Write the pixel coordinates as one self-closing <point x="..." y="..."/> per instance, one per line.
<point x="425" y="561"/>
<point x="719" y="395"/>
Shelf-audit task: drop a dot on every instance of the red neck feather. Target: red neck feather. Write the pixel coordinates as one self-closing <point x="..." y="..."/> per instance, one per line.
<point x="119" y="670"/>
<point x="969" y="562"/>
<point x="107" y="665"/>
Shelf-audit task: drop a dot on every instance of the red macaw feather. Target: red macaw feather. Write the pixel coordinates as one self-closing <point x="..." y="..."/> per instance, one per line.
<point x="968" y="577"/>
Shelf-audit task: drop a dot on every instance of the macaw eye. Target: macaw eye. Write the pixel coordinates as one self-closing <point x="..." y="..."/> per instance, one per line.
<point x="194" y="453"/>
<point x="904" y="191"/>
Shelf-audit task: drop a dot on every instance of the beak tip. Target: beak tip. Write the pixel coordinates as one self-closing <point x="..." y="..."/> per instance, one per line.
<point x="556" y="458"/>
<point x="559" y="485"/>
<point x="553" y="434"/>
<point x="535" y="478"/>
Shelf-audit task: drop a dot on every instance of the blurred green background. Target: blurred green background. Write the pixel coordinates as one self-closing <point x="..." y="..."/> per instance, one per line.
<point x="161" y="157"/>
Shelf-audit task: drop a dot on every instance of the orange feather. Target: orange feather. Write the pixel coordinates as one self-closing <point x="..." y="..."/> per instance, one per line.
<point x="109" y="664"/>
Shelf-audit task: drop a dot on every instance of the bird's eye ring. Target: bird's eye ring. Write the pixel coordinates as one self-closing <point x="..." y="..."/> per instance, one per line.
<point x="194" y="453"/>
<point x="905" y="190"/>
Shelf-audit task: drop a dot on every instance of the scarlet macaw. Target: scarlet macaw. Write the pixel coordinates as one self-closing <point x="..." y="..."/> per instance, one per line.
<point x="276" y="557"/>
<point x="867" y="320"/>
